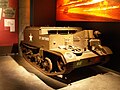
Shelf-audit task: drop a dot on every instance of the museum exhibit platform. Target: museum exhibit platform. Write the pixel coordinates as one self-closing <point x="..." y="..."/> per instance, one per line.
<point x="18" y="74"/>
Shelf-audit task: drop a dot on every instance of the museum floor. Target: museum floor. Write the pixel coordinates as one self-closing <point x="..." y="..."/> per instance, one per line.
<point x="13" y="76"/>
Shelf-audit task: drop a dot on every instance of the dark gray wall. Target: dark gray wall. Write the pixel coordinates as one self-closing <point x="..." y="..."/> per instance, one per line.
<point x="43" y="12"/>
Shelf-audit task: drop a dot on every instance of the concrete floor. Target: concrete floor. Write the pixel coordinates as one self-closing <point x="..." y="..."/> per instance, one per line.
<point x="107" y="81"/>
<point x="15" y="77"/>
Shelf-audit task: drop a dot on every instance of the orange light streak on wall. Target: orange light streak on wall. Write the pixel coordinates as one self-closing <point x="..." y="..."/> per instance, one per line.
<point x="84" y="10"/>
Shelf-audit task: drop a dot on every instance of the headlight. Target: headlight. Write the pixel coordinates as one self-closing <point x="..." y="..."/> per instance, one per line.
<point x="69" y="55"/>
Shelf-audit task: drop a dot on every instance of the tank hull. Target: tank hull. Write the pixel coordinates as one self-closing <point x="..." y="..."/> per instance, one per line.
<point x="57" y="52"/>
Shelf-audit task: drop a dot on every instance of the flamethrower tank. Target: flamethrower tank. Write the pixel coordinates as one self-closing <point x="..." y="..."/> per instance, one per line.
<point x="59" y="50"/>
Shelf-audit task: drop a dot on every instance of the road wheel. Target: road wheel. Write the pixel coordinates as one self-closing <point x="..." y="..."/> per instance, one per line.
<point x="46" y="65"/>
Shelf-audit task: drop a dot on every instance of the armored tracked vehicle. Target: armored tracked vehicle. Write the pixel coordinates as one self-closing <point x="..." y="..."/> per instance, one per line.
<point x="59" y="50"/>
